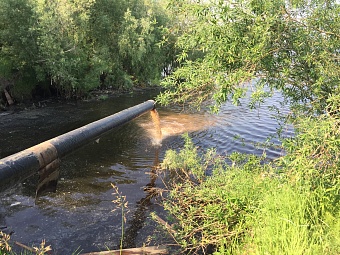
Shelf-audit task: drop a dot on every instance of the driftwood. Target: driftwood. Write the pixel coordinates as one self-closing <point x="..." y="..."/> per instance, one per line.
<point x="8" y="97"/>
<point x="132" y="251"/>
<point x="4" y="83"/>
<point x="25" y="247"/>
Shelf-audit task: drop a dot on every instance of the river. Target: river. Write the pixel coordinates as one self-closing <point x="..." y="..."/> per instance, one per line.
<point x="80" y="216"/>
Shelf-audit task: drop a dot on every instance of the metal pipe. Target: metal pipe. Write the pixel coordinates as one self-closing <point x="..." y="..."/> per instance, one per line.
<point x="20" y="166"/>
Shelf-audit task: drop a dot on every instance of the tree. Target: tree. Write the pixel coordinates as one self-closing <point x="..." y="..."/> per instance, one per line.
<point x="292" y="46"/>
<point x="131" y="32"/>
<point x="64" y="53"/>
<point x="243" y="205"/>
<point x="76" y="46"/>
<point x="18" y="46"/>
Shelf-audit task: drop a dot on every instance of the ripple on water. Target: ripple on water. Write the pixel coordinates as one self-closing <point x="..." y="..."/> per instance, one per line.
<point x="235" y="128"/>
<point x="175" y="124"/>
<point x="80" y="213"/>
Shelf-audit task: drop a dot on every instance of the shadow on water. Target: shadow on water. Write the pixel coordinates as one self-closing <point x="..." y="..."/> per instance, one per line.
<point x="143" y="206"/>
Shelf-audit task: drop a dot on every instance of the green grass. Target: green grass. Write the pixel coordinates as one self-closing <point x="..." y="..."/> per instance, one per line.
<point x="247" y="207"/>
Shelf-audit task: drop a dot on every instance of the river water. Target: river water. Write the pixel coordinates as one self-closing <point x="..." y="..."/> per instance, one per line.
<point x="80" y="216"/>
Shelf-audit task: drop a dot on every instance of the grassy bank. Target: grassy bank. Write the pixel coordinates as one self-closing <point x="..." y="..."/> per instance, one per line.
<point x="290" y="206"/>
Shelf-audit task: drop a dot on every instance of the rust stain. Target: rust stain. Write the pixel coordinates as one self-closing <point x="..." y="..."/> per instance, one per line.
<point x="45" y="153"/>
<point x="49" y="169"/>
<point x="48" y="177"/>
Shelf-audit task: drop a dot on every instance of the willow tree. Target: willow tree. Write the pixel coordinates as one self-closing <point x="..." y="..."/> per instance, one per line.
<point x="76" y="46"/>
<point x="227" y="48"/>
<point x="18" y="48"/>
<point x="292" y="46"/>
<point x="126" y="36"/>
<point x="64" y="52"/>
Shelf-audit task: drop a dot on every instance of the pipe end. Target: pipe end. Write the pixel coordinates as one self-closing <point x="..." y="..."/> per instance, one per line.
<point x="154" y="103"/>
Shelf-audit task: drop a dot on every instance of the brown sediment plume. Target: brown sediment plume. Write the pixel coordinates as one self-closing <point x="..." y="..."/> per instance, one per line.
<point x="173" y="124"/>
<point x="157" y="125"/>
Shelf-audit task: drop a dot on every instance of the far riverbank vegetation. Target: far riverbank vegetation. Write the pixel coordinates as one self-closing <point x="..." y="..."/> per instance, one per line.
<point x="69" y="48"/>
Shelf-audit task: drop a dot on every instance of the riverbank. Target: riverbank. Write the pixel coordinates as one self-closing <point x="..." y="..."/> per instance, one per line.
<point x="290" y="206"/>
<point x="93" y="95"/>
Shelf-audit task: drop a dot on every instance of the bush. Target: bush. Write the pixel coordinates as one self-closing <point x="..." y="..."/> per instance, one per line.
<point x="248" y="207"/>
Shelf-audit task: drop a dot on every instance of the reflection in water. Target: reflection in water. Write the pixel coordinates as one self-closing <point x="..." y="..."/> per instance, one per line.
<point x="140" y="215"/>
<point x="48" y="178"/>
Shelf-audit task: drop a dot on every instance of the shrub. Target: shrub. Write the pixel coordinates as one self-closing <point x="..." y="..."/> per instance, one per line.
<point x="248" y="207"/>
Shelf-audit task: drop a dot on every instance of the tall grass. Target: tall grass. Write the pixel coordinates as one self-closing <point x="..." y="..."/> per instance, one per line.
<point x="122" y="206"/>
<point x="283" y="224"/>
<point x="247" y="207"/>
<point x="6" y="249"/>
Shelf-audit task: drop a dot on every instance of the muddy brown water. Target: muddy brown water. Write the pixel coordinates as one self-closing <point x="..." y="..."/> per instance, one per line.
<point x="80" y="216"/>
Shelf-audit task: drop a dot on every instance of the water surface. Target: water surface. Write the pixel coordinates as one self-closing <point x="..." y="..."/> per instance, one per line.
<point x="80" y="213"/>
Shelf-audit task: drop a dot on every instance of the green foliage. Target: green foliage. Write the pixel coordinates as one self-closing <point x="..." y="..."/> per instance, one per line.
<point x="26" y="84"/>
<point x="75" y="46"/>
<point x="210" y="209"/>
<point x="289" y="46"/>
<point x="302" y="216"/>
<point x="292" y="206"/>
<point x="64" y="52"/>
<point x="18" y="44"/>
<point x="248" y="207"/>
<point x="186" y="161"/>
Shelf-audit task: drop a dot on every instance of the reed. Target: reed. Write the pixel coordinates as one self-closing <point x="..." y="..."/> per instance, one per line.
<point x="122" y="205"/>
<point x="6" y="249"/>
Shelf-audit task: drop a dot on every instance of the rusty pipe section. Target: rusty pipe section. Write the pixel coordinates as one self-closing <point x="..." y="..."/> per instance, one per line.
<point x="20" y="166"/>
